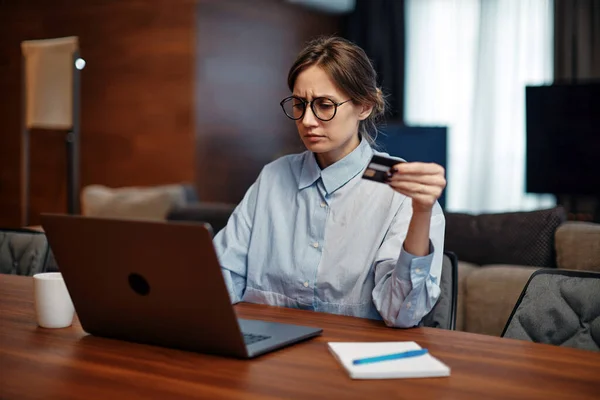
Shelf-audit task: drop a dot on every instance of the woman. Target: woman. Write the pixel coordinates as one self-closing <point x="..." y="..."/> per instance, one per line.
<point x="310" y="233"/>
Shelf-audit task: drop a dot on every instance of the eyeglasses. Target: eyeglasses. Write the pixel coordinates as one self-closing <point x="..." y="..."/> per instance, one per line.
<point x="322" y="107"/>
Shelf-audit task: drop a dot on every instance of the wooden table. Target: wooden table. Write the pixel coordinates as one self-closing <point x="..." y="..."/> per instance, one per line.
<point x="67" y="363"/>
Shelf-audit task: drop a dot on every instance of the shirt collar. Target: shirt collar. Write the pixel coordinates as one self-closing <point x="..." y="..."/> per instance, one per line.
<point x="337" y="174"/>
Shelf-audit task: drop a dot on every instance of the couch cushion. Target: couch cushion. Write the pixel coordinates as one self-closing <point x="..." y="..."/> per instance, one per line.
<point x="578" y="246"/>
<point x="518" y="238"/>
<point x="132" y="202"/>
<point x="464" y="270"/>
<point x="491" y="293"/>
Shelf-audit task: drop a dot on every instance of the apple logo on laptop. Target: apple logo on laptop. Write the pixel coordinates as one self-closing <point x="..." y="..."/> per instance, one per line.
<point x="139" y="284"/>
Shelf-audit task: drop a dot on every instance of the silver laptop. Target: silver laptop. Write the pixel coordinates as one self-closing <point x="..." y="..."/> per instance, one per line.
<point x="157" y="283"/>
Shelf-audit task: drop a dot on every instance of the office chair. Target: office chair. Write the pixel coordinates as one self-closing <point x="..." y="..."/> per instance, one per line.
<point x="24" y="252"/>
<point x="443" y="314"/>
<point x="216" y="214"/>
<point x="559" y="307"/>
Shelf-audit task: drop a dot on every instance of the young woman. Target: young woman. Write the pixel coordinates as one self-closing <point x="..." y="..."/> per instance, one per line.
<point x="310" y="233"/>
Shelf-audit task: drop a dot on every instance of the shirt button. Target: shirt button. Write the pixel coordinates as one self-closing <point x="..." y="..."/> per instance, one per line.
<point x="408" y="305"/>
<point x="418" y="270"/>
<point x="323" y="204"/>
<point x="315" y="245"/>
<point x="306" y="284"/>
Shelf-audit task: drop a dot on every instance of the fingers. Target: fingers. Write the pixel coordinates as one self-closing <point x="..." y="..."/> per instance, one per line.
<point x="422" y="182"/>
<point x="435" y="180"/>
<point x="412" y="189"/>
<point x="419" y="168"/>
<point x="423" y="196"/>
<point x="428" y="174"/>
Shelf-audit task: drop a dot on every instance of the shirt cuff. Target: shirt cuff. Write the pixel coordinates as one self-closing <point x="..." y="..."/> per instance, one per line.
<point x="411" y="268"/>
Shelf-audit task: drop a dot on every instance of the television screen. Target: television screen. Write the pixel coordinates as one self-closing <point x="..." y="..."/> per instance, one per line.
<point x="563" y="139"/>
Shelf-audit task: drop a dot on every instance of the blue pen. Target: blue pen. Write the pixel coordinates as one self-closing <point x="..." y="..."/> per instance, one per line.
<point x="388" y="357"/>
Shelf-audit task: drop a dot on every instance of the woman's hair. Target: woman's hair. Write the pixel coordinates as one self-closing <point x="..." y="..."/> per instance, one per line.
<point x="351" y="70"/>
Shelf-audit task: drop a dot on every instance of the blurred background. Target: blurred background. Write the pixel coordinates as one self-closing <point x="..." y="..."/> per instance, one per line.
<point x="503" y="93"/>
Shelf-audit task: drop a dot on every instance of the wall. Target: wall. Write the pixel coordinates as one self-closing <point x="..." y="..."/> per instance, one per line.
<point x="245" y="50"/>
<point x="137" y="97"/>
<point x="173" y="90"/>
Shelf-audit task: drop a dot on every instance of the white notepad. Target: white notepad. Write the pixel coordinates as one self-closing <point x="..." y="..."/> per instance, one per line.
<point x="424" y="366"/>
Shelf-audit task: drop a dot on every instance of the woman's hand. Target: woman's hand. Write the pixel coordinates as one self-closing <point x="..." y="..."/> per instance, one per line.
<point x="422" y="182"/>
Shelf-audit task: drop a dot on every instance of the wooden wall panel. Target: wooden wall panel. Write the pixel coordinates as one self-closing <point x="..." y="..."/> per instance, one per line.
<point x="137" y="97"/>
<point x="148" y="62"/>
<point x="244" y="52"/>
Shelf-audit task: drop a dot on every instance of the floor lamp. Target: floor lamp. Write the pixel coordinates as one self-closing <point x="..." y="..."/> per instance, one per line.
<point x="51" y="93"/>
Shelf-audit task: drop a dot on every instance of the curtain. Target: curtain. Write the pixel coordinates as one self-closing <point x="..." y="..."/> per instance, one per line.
<point x="576" y="39"/>
<point x="468" y="62"/>
<point x="378" y="27"/>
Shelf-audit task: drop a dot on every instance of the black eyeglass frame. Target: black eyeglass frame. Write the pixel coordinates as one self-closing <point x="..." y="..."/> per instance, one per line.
<point x="311" y="104"/>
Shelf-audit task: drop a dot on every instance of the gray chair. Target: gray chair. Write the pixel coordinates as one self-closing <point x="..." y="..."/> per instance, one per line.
<point x="443" y="314"/>
<point x="25" y="252"/>
<point x="558" y="307"/>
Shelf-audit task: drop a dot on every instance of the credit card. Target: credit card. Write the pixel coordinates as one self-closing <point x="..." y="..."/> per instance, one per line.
<point x="378" y="168"/>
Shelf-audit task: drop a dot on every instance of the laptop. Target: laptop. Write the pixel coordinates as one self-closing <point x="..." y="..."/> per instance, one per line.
<point x="157" y="283"/>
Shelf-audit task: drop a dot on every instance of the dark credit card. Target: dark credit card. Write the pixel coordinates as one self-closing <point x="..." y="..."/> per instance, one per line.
<point x="379" y="167"/>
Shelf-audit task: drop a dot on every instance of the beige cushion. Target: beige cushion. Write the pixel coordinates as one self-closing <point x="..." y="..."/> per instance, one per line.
<point x="578" y="246"/>
<point x="491" y="293"/>
<point x="151" y="203"/>
<point x="464" y="270"/>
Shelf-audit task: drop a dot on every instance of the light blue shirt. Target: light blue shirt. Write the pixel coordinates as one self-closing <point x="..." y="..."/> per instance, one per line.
<point x="329" y="241"/>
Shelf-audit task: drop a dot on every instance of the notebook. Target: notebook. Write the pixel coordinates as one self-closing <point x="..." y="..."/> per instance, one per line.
<point x="424" y="366"/>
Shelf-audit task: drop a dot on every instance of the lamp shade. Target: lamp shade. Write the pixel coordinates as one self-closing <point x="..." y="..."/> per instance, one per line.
<point x="49" y="82"/>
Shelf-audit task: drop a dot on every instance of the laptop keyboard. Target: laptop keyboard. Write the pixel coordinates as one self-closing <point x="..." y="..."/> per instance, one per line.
<point x="250" y="338"/>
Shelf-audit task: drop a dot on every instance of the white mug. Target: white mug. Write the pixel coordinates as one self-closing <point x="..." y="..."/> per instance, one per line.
<point x="53" y="305"/>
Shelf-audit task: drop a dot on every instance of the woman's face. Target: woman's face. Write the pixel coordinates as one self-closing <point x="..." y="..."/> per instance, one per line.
<point x="329" y="140"/>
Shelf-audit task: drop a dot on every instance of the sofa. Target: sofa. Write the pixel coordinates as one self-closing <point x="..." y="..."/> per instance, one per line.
<point x="136" y="202"/>
<point x="499" y="252"/>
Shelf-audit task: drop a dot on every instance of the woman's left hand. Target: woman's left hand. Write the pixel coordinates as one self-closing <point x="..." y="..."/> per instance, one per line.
<point x="422" y="182"/>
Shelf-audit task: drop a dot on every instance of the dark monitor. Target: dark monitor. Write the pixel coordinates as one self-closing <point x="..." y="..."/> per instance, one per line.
<point x="563" y="139"/>
<point x="416" y="143"/>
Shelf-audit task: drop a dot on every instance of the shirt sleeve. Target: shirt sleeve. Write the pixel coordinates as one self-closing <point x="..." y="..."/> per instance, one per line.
<point x="406" y="286"/>
<point x="232" y="243"/>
